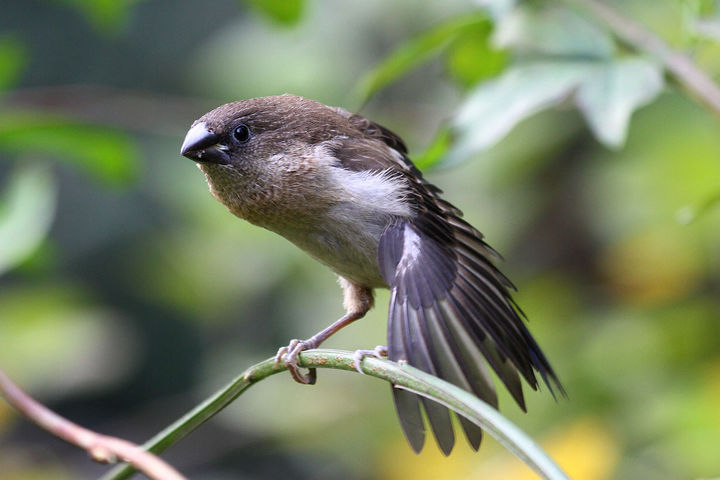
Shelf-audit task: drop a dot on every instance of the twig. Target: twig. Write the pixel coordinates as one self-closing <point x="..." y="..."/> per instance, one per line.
<point x="402" y="376"/>
<point x="101" y="448"/>
<point x="680" y="66"/>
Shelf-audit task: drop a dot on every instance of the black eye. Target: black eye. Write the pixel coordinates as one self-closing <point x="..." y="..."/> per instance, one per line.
<point x="241" y="133"/>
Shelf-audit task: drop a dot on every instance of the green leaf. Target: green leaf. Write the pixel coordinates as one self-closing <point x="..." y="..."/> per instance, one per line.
<point x="471" y="57"/>
<point x="435" y="151"/>
<point x="107" y="155"/>
<point x="493" y="108"/>
<point x="104" y="15"/>
<point x="286" y="12"/>
<point x="607" y="94"/>
<point x="552" y="31"/>
<point x="608" y="98"/>
<point x="12" y="60"/>
<point x="416" y="51"/>
<point x="26" y="213"/>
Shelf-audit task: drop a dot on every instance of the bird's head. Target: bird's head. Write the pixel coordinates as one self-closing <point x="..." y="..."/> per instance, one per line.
<point x="262" y="152"/>
<point x="247" y="131"/>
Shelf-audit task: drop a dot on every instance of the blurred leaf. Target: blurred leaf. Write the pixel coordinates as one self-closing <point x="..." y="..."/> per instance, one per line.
<point x="416" y="51"/>
<point x="607" y="94"/>
<point x="435" y="151"/>
<point x="670" y="160"/>
<point x="42" y="261"/>
<point x="471" y="57"/>
<point x="105" y="154"/>
<point x="55" y="341"/>
<point x="702" y="7"/>
<point x="286" y="12"/>
<point x="25" y="214"/>
<point x="552" y="31"/>
<point x="12" y="60"/>
<point x="707" y="28"/>
<point x="104" y="15"/>
<point x="703" y="19"/>
<point x="497" y="8"/>
<point x="690" y="213"/>
<point x="495" y="107"/>
<point x="609" y="97"/>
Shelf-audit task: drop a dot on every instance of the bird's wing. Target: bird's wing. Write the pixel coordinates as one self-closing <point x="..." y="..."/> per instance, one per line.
<point x="450" y="307"/>
<point x="373" y="130"/>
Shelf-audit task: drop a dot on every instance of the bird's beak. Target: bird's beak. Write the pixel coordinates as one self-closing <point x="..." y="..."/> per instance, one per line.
<point x="202" y="145"/>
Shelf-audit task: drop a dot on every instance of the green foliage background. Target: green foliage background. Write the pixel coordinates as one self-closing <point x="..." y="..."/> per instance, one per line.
<point x="127" y="294"/>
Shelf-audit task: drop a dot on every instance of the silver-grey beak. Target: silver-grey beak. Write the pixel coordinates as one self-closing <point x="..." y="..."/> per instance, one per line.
<point x="201" y="145"/>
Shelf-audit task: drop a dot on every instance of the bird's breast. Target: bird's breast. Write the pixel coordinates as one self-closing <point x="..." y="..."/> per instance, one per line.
<point x="344" y="234"/>
<point x="345" y="244"/>
<point x="335" y="215"/>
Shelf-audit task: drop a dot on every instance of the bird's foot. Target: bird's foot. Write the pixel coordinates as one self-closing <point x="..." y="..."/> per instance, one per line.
<point x="378" y="352"/>
<point x="288" y="355"/>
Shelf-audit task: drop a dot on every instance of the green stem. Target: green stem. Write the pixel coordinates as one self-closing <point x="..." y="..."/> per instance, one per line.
<point x="403" y="376"/>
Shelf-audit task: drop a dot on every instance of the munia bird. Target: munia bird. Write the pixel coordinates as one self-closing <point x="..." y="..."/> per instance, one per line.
<point x="342" y="188"/>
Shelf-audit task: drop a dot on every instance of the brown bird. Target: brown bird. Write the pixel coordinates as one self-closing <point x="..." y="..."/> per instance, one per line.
<point x="342" y="188"/>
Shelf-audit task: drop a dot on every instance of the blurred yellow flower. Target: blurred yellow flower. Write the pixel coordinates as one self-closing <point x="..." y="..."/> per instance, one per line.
<point x="585" y="449"/>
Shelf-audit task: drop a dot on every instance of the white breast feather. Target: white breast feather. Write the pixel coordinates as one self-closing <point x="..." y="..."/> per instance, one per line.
<point x="382" y="192"/>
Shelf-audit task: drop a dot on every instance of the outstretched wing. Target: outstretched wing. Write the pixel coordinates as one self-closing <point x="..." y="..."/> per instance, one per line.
<point x="451" y="313"/>
<point x="449" y="308"/>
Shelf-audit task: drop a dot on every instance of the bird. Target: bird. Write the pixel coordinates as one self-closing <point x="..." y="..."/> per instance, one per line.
<point x="343" y="189"/>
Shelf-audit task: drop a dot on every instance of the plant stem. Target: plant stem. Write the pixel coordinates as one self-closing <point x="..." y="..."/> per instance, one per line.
<point x="402" y="376"/>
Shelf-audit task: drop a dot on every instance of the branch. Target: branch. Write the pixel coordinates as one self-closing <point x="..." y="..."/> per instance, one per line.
<point x="402" y="376"/>
<point x="680" y="66"/>
<point x="101" y="448"/>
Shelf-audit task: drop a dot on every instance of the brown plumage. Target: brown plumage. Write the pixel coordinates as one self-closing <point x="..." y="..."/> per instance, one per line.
<point x="343" y="189"/>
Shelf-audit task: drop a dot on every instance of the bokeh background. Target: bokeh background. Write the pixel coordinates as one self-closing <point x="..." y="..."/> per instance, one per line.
<point x="128" y="294"/>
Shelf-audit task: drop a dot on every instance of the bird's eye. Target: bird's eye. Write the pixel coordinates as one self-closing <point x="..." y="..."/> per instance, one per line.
<point x="242" y="133"/>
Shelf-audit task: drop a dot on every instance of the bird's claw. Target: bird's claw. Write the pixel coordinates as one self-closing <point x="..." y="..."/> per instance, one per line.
<point x="378" y="352"/>
<point x="288" y="355"/>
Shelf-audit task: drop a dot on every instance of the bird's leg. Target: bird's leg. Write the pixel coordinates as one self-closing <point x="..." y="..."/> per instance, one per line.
<point x="378" y="352"/>
<point x="290" y="353"/>
<point x="357" y="300"/>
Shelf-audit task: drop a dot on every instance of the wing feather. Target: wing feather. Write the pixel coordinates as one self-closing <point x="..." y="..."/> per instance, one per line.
<point x="424" y="356"/>
<point x="456" y="314"/>
<point x="407" y="404"/>
<point x="450" y="310"/>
